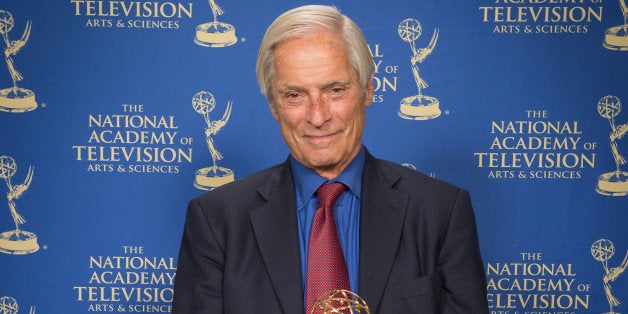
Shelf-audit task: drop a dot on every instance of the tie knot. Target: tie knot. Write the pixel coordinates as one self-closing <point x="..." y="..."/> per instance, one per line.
<point x="329" y="193"/>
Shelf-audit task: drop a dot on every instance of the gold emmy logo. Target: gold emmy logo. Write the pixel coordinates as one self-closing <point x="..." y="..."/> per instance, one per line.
<point x="616" y="37"/>
<point x="340" y="301"/>
<point x="14" y="99"/>
<point x="613" y="183"/>
<point x="8" y="305"/>
<point x="16" y="241"/>
<point x="409" y="165"/>
<point x="419" y="106"/>
<point x="602" y="250"/>
<point x="211" y="177"/>
<point x="215" y="34"/>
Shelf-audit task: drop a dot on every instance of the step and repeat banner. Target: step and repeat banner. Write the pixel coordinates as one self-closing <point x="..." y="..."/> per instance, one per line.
<point x="115" y="113"/>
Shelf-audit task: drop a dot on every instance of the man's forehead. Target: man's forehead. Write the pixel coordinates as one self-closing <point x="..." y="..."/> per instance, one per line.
<point x="332" y="39"/>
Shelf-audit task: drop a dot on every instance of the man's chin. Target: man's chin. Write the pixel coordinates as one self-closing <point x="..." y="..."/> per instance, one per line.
<point x="322" y="164"/>
<point x="326" y="167"/>
<point x="324" y="160"/>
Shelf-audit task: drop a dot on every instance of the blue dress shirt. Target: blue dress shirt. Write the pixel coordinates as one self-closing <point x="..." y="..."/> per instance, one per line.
<point x="346" y="212"/>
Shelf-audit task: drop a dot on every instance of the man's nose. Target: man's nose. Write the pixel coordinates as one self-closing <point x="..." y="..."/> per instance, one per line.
<point x="319" y="110"/>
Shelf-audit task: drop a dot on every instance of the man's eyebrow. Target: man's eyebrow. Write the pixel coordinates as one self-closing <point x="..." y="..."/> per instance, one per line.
<point x="284" y="88"/>
<point x="339" y="82"/>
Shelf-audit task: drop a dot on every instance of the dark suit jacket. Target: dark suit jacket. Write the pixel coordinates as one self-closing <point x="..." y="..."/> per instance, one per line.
<point x="418" y="246"/>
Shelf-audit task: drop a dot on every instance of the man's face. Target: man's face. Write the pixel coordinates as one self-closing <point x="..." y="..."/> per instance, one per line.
<point x="318" y="102"/>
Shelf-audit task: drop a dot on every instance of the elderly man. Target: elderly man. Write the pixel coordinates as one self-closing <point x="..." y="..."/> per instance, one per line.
<point x="331" y="216"/>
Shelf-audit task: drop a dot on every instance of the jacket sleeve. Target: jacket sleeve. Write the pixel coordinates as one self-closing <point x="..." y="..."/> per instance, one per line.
<point x="459" y="262"/>
<point x="198" y="282"/>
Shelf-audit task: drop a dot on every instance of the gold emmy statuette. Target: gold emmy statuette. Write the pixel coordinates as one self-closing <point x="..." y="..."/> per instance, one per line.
<point x="214" y="176"/>
<point x="602" y="250"/>
<point x="613" y="183"/>
<point x="419" y="106"/>
<point x="14" y="99"/>
<point x="340" y="301"/>
<point x="16" y="241"/>
<point x="8" y="305"/>
<point x="215" y="34"/>
<point x="616" y="37"/>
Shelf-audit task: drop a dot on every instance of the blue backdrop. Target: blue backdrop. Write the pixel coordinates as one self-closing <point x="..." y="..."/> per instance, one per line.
<point x="110" y="103"/>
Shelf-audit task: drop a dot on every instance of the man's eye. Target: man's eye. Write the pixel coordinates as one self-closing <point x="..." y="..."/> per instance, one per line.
<point x="337" y="91"/>
<point x="292" y="98"/>
<point x="290" y="94"/>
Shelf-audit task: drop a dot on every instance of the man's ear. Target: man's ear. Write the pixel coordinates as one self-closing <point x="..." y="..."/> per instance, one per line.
<point x="273" y="109"/>
<point x="370" y="93"/>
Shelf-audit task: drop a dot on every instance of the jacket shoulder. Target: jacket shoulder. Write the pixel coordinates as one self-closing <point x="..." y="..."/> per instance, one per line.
<point x="410" y="180"/>
<point x="243" y="188"/>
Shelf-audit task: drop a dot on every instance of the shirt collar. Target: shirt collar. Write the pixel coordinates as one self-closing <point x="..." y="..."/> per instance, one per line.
<point x="307" y="181"/>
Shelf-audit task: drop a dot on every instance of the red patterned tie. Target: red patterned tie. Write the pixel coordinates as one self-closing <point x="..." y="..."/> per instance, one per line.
<point x="326" y="267"/>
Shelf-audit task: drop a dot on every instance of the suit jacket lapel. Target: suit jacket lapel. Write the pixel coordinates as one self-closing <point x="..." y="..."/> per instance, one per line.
<point x="275" y="227"/>
<point x="381" y="222"/>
